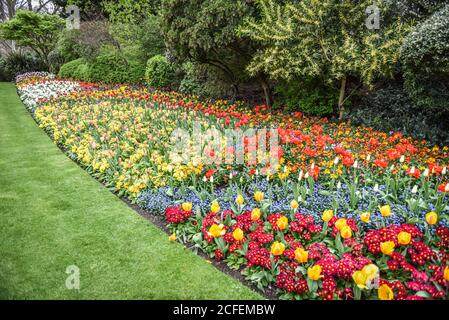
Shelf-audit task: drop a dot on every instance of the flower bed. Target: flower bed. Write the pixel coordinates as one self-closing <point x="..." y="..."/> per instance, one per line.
<point x="388" y="187"/>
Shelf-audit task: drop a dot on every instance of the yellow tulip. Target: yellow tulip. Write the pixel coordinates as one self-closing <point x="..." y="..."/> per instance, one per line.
<point x="387" y="247"/>
<point x="216" y="230"/>
<point x="446" y="273"/>
<point x="385" y="293"/>
<point x="215" y="207"/>
<point x="238" y="234"/>
<point x="294" y="204"/>
<point x="371" y="271"/>
<point x="314" y="272"/>
<point x="282" y="223"/>
<point x="172" y="237"/>
<point x="327" y="215"/>
<point x="239" y="200"/>
<point x="301" y="255"/>
<point x="277" y="248"/>
<point x="360" y="279"/>
<point x="187" y="206"/>
<point x="385" y="211"/>
<point x="404" y="238"/>
<point x="258" y="196"/>
<point x="431" y="217"/>
<point x="365" y="217"/>
<point x="340" y="223"/>
<point x="346" y="232"/>
<point x="255" y="214"/>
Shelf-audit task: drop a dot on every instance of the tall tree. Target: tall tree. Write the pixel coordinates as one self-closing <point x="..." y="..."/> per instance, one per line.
<point x="334" y="40"/>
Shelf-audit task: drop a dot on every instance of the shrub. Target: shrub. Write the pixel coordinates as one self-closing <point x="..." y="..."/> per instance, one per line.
<point x="309" y="98"/>
<point x="159" y="72"/>
<point x="391" y="109"/>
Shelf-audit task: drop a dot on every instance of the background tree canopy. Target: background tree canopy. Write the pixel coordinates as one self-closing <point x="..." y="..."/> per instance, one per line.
<point x="314" y="56"/>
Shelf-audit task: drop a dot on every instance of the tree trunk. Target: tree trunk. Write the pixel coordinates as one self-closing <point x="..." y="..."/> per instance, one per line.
<point x="341" y="99"/>
<point x="266" y="91"/>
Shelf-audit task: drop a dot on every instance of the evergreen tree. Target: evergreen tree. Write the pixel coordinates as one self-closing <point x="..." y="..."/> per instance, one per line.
<point x="330" y="39"/>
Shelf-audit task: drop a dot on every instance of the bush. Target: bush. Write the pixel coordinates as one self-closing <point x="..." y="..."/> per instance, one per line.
<point x="309" y="98"/>
<point x="159" y="72"/>
<point x="111" y="66"/>
<point x="391" y="109"/>
<point x="17" y="63"/>
<point x="425" y="55"/>
<point x="75" y="69"/>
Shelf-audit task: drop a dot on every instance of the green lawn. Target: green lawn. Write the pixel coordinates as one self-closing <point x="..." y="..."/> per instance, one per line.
<point x="53" y="215"/>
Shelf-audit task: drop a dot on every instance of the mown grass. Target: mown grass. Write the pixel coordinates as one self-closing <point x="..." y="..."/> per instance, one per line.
<point x="53" y="215"/>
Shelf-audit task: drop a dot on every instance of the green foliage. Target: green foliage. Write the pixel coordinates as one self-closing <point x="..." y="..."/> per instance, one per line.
<point x="309" y="98"/>
<point x="34" y="30"/>
<point x="391" y="109"/>
<point x="19" y="62"/>
<point x="159" y="72"/>
<point x="425" y="55"/>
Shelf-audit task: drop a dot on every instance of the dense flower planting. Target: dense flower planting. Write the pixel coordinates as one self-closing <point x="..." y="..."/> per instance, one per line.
<point x="347" y="213"/>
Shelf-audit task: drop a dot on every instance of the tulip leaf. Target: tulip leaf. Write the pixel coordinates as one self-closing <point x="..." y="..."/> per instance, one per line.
<point x="423" y="294"/>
